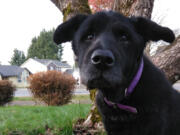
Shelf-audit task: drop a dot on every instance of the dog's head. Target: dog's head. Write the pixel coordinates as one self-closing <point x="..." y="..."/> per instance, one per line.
<point x="109" y="46"/>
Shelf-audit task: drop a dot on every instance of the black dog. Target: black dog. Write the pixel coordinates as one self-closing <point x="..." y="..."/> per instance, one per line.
<point x="134" y="97"/>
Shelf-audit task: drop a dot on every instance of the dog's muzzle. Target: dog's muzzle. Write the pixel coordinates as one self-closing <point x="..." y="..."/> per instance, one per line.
<point x="102" y="59"/>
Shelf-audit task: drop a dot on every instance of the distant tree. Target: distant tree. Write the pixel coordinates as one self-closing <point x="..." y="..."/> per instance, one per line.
<point x="43" y="47"/>
<point x="18" y="58"/>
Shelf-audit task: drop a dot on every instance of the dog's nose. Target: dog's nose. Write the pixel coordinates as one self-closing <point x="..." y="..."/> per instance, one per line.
<point x="102" y="58"/>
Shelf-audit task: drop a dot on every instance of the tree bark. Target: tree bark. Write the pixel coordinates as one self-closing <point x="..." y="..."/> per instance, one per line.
<point x="169" y="61"/>
<point x="69" y="8"/>
<point x="134" y="7"/>
<point x="142" y="8"/>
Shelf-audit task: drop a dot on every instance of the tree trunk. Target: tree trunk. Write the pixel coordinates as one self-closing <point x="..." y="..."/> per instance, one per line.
<point x="169" y="61"/>
<point x="70" y="8"/>
<point x="134" y="7"/>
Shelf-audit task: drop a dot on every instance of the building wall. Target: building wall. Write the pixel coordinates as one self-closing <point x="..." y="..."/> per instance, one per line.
<point x="33" y="66"/>
<point x="20" y="81"/>
<point x="0" y="77"/>
<point x="14" y="81"/>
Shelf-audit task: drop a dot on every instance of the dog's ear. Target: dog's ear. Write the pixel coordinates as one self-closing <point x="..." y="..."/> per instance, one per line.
<point x="150" y="30"/>
<point x="65" y="31"/>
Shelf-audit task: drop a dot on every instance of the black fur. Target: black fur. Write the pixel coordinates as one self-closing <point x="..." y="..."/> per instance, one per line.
<point x="158" y="104"/>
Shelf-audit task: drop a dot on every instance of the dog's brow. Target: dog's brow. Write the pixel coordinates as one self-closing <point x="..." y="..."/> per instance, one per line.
<point x="121" y="26"/>
<point x="93" y="26"/>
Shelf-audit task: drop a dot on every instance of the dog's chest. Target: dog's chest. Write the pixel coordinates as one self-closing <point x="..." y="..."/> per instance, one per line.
<point x="120" y="123"/>
<point x="115" y="119"/>
<point x="121" y="118"/>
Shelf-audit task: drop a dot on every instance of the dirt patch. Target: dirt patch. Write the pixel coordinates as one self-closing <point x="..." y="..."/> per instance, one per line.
<point x="80" y="129"/>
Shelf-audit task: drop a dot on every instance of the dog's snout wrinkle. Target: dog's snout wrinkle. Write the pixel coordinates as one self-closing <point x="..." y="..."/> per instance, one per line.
<point x="102" y="58"/>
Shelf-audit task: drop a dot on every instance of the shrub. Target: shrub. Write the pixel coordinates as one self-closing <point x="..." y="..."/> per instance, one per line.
<point x="52" y="87"/>
<point x="6" y="92"/>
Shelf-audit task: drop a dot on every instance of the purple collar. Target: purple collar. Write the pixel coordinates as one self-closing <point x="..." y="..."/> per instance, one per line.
<point x="128" y="91"/>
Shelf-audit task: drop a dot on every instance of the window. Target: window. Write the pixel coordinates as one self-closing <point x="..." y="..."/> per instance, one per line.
<point x="19" y="79"/>
<point x="51" y="68"/>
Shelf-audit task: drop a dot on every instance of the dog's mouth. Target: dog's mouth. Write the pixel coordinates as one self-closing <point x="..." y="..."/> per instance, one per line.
<point x="111" y="91"/>
<point x="98" y="83"/>
<point x="109" y="82"/>
<point x="101" y="80"/>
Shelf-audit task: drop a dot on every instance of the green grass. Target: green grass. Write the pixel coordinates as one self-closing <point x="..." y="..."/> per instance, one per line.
<point x="33" y="120"/>
<point x="75" y="97"/>
<point x="81" y="97"/>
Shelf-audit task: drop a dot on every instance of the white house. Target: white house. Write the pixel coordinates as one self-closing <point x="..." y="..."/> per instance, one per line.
<point x="35" y="65"/>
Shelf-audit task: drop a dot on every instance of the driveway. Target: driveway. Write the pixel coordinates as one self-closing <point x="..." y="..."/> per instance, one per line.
<point x="22" y="92"/>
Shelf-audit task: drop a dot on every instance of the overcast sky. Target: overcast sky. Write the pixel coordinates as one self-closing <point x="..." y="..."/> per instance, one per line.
<point x="21" y="20"/>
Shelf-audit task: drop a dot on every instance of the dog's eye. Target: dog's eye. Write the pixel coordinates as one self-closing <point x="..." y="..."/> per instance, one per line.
<point x="123" y="37"/>
<point x="90" y="37"/>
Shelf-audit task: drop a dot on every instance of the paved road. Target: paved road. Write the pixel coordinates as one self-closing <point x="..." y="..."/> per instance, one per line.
<point x="81" y="92"/>
<point x="22" y="92"/>
<point x="25" y="93"/>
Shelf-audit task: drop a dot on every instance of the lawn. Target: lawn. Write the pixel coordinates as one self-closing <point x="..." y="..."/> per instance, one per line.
<point x="82" y="99"/>
<point x="23" y="98"/>
<point x="35" y="120"/>
<point x="75" y="97"/>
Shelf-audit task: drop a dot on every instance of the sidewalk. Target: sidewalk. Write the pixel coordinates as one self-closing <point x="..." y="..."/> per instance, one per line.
<point x="23" y="92"/>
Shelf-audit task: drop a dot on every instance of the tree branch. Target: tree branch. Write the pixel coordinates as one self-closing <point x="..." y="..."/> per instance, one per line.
<point x="169" y="61"/>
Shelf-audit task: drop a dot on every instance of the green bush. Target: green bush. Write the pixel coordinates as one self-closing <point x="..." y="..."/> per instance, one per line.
<point x="6" y="92"/>
<point x="52" y="87"/>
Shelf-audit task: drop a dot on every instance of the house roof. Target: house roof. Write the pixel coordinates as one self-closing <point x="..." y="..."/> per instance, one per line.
<point x="6" y="70"/>
<point x="56" y="62"/>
